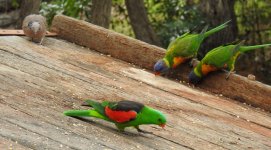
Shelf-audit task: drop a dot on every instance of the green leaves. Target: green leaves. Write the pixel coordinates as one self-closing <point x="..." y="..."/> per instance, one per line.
<point x="172" y="18"/>
<point x="74" y="8"/>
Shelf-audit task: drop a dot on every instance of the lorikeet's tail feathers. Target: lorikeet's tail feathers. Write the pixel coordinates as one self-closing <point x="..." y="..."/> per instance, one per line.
<point x="248" y="48"/>
<point x="90" y="103"/>
<point x="76" y="113"/>
<point x="216" y="29"/>
<point x="96" y="105"/>
<point x="84" y="113"/>
<point x="201" y="36"/>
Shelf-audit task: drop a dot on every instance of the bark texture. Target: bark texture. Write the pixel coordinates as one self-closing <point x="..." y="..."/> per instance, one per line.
<point x="140" y="22"/>
<point x="101" y="12"/>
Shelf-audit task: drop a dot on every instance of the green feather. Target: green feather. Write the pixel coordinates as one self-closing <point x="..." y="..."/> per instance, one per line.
<point x="248" y="48"/>
<point x="216" y="29"/>
<point x="99" y="107"/>
<point x="84" y="113"/>
<point x="146" y="116"/>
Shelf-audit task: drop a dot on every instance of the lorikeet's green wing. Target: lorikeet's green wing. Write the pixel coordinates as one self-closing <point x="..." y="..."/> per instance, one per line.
<point x="195" y="44"/>
<point x="174" y="41"/>
<point x="188" y="45"/>
<point x="219" y="56"/>
<point x="181" y="47"/>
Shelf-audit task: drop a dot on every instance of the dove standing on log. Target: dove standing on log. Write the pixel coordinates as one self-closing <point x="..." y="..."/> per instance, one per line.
<point x="34" y="26"/>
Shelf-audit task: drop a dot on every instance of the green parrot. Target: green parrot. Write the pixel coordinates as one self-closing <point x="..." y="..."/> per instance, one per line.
<point x="183" y="48"/>
<point x="222" y="57"/>
<point x="123" y="113"/>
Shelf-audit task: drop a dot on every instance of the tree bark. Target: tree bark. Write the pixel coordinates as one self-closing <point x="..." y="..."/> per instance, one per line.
<point x="101" y="12"/>
<point x="28" y="7"/>
<point x="140" y="22"/>
<point x="217" y="12"/>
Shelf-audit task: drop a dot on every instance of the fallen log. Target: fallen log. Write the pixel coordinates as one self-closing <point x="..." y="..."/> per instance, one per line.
<point x="145" y="55"/>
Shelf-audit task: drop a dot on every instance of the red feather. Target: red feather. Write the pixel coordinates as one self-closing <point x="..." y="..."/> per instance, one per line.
<point x="120" y="116"/>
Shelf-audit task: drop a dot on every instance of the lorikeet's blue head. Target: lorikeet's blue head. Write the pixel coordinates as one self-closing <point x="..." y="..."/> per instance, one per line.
<point x="160" y="67"/>
<point x="193" y="77"/>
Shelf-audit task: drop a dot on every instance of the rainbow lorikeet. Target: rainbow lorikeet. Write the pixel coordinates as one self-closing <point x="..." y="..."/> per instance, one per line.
<point x="222" y="57"/>
<point x="183" y="48"/>
<point x="123" y="113"/>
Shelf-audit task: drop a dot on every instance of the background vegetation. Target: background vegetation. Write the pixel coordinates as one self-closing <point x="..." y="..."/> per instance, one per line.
<point x="161" y="21"/>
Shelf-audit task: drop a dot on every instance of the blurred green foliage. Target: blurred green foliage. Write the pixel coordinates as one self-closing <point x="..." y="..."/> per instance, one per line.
<point x="15" y="4"/>
<point x="75" y="8"/>
<point x="172" y="18"/>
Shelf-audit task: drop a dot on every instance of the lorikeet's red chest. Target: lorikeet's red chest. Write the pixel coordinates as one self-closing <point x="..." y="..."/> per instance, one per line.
<point x="120" y="116"/>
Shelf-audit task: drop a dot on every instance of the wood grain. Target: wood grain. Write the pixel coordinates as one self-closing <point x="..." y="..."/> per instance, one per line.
<point x="39" y="82"/>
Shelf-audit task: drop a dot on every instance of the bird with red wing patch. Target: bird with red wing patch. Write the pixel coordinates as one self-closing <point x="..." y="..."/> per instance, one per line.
<point x="123" y="113"/>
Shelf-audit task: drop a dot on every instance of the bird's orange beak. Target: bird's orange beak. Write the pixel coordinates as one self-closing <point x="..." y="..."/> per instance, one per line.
<point x="162" y="125"/>
<point x="157" y="73"/>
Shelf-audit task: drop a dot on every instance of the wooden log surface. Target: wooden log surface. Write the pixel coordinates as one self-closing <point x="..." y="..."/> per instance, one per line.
<point x="5" y="32"/>
<point x="145" y="55"/>
<point x="39" y="82"/>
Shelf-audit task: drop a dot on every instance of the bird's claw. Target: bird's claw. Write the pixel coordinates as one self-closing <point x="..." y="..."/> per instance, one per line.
<point x="143" y="131"/>
<point x="194" y="62"/>
<point x="229" y="73"/>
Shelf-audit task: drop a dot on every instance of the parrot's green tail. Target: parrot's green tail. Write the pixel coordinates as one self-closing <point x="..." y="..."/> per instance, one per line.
<point x="84" y="113"/>
<point x="216" y="29"/>
<point x="248" y="48"/>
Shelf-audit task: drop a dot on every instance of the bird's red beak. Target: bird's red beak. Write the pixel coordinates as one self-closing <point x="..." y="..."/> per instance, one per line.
<point x="162" y="125"/>
<point x="157" y="73"/>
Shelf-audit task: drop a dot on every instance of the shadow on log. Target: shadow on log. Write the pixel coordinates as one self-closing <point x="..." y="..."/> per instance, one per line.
<point x="145" y="55"/>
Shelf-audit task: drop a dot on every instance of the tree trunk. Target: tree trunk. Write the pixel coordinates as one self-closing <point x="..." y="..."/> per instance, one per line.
<point x="8" y="14"/>
<point x="217" y="12"/>
<point x="140" y="22"/>
<point x="101" y="12"/>
<point x="28" y="7"/>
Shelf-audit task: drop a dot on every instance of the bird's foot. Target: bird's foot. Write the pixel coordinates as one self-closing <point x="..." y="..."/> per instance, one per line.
<point x="194" y="62"/>
<point x="40" y="43"/>
<point x="229" y="73"/>
<point x="142" y="131"/>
